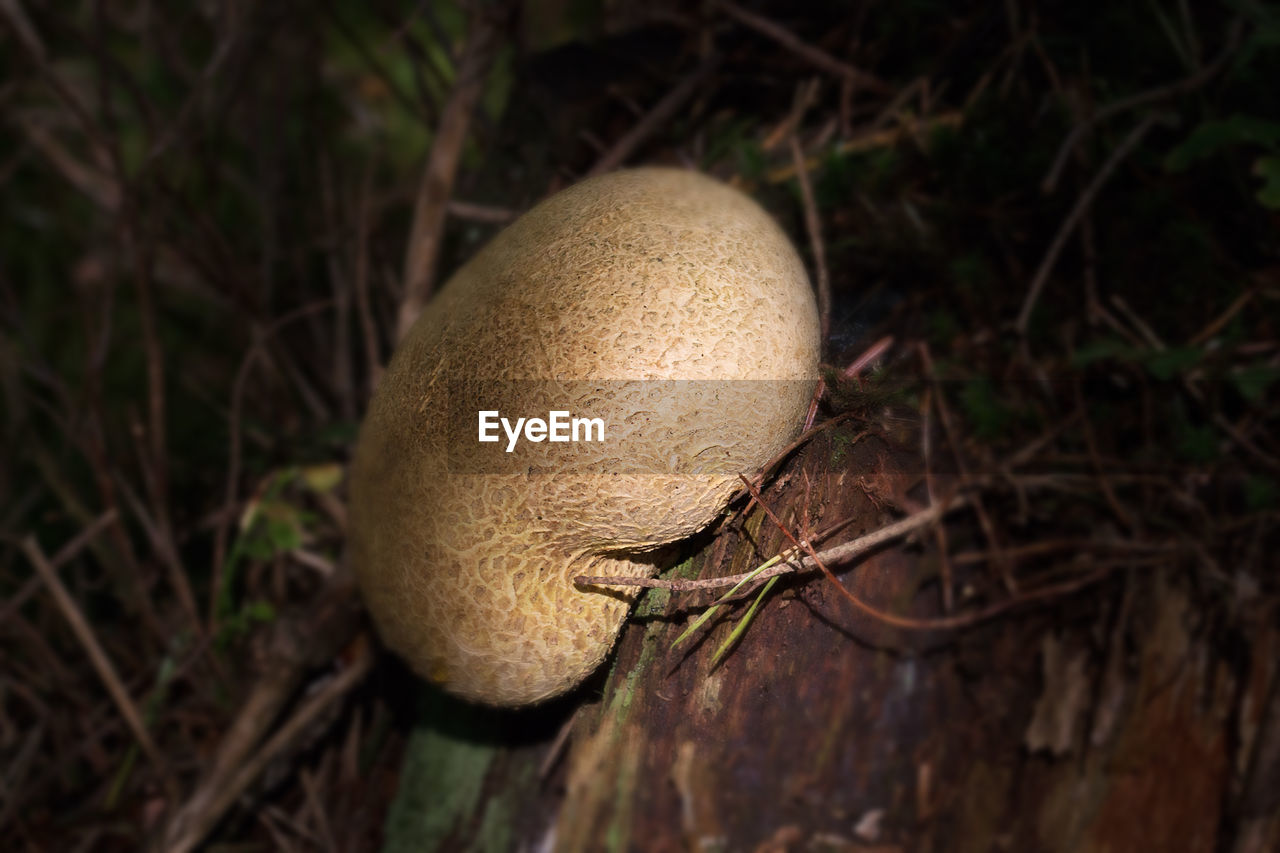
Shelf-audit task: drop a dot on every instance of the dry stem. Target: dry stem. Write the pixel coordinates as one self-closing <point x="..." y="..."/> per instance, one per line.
<point x="429" y="212"/>
<point x="97" y="655"/>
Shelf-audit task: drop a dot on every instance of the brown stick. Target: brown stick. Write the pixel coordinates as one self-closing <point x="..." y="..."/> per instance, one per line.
<point x="952" y="434"/>
<point x="364" y="307"/>
<point x="65" y="554"/>
<point x="659" y="116"/>
<point x="868" y="141"/>
<point x="814" y="56"/>
<point x="947" y="622"/>
<point x="97" y="656"/>
<point x="1082" y="205"/>
<point x="871" y="541"/>
<point x="202" y="812"/>
<point x="228" y="516"/>
<point x="1150" y="96"/>
<point x="427" y="232"/>
<point x="485" y="213"/>
<point x="930" y="484"/>
<point x="813" y="224"/>
<point x="299" y="641"/>
<point x="22" y="28"/>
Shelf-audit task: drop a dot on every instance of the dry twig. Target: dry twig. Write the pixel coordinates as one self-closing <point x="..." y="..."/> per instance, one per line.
<point x="1068" y="227"/>
<point x="427" y="231"/>
<point x="963" y="620"/>
<point x="813" y="224"/>
<point x="1150" y="96"/>
<point x="229" y="516"/>
<point x="952" y="433"/>
<point x="870" y="542"/>
<point x="814" y="56"/>
<point x="838" y="554"/>
<point x="97" y="656"/>
<point x="656" y="118"/>
<point x="299" y="642"/>
<point x="870" y="140"/>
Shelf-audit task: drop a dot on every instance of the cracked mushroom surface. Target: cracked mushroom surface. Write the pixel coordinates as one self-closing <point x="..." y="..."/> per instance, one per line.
<point x="666" y="304"/>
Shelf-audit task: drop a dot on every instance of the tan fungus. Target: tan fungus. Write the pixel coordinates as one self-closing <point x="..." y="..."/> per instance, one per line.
<point x="465" y="554"/>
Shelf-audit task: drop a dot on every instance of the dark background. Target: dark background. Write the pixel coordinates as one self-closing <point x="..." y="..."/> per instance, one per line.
<point x="1065" y="215"/>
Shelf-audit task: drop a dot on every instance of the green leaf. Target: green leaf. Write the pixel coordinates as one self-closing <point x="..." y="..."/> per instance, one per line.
<point x="1101" y="350"/>
<point x="990" y="415"/>
<point x="943" y="326"/>
<point x="497" y="89"/>
<point x="1167" y="363"/>
<point x="1268" y="168"/>
<point x="1197" y="443"/>
<point x="284" y="534"/>
<point x="1253" y="381"/>
<point x="1212" y="136"/>
<point x="750" y="159"/>
<point x="238" y="623"/>
<point x="323" y="477"/>
<point x="259" y="611"/>
<point x="1261" y="493"/>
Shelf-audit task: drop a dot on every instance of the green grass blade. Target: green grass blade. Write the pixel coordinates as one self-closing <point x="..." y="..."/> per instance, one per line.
<point x="710" y="611"/>
<point x="741" y="627"/>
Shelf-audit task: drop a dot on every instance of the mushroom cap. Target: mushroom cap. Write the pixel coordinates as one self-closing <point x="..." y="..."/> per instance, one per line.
<point x="667" y="304"/>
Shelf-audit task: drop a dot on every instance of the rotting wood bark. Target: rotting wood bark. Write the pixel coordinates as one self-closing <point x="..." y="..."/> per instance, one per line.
<point x="825" y="729"/>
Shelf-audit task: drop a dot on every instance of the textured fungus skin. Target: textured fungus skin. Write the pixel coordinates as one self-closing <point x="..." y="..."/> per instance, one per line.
<point x="646" y="274"/>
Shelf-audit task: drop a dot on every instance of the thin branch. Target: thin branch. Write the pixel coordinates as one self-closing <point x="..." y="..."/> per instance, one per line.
<point x="871" y="140"/>
<point x="805" y="436"/>
<point x="66" y="554"/>
<point x="97" y="656"/>
<point x="21" y="26"/>
<point x="229" y="515"/>
<point x="813" y="55"/>
<point x="1220" y="322"/>
<point x="81" y="540"/>
<point x="952" y="434"/>
<point x="427" y="232"/>
<point x="865" y="544"/>
<point x="939" y="530"/>
<point x="838" y="554"/>
<point x="1150" y="96"/>
<point x="658" y="117"/>
<point x="1095" y="458"/>
<point x="364" y="306"/>
<point x="1073" y="219"/>
<point x="859" y="364"/>
<point x="806" y="94"/>
<point x="485" y="213"/>
<point x="888" y="618"/>
<point x="1148" y="334"/>
<point x="156" y="473"/>
<point x="103" y="190"/>
<point x="340" y="277"/>
<point x="813" y="224"/>
<point x="201" y="813"/>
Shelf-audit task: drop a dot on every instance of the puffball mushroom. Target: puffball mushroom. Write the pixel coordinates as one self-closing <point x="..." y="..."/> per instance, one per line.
<point x="663" y="302"/>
